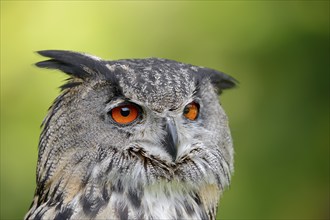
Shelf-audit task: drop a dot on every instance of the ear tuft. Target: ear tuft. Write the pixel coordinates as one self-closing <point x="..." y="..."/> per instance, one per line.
<point x="220" y="80"/>
<point x="72" y="63"/>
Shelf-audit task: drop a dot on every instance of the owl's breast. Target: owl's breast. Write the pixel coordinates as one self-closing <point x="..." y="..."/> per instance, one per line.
<point x="171" y="200"/>
<point x="161" y="201"/>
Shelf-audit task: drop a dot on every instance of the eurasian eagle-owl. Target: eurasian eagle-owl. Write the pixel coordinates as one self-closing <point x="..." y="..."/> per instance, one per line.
<point x="133" y="139"/>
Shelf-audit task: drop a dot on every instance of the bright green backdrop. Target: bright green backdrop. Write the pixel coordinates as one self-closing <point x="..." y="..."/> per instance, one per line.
<point x="279" y="114"/>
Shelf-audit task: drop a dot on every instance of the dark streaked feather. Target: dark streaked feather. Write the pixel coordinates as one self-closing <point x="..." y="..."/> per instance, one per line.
<point x="69" y="85"/>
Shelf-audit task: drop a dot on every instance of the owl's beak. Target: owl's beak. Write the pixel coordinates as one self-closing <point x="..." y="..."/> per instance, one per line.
<point x="170" y="142"/>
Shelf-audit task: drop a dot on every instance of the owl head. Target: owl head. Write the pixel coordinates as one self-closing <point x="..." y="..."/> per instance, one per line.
<point x="133" y="123"/>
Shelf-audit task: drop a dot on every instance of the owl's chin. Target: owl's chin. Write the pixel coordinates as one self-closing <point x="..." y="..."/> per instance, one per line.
<point x="144" y="156"/>
<point x="159" y="153"/>
<point x="190" y="169"/>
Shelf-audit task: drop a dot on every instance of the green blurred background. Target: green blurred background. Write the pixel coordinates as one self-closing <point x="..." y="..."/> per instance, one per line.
<point x="279" y="114"/>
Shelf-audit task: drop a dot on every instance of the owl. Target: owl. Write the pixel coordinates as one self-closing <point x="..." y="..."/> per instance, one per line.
<point x="132" y="139"/>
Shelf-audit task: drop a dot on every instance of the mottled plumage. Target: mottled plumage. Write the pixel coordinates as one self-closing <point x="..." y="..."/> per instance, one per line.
<point x="171" y="162"/>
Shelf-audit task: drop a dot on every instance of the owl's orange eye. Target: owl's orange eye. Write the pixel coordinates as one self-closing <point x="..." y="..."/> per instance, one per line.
<point x="191" y="111"/>
<point x="125" y="114"/>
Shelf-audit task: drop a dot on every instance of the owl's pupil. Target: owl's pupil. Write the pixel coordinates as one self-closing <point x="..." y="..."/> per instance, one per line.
<point x="125" y="111"/>
<point x="186" y="110"/>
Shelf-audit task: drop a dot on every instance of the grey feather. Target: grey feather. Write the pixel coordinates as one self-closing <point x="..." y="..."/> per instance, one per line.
<point x="91" y="165"/>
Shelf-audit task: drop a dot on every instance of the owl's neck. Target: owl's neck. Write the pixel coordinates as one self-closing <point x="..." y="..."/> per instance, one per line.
<point x="160" y="200"/>
<point x="125" y="186"/>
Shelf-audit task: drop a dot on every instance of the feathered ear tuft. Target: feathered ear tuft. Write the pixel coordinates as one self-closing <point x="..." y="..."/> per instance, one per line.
<point x="74" y="64"/>
<point x="220" y="80"/>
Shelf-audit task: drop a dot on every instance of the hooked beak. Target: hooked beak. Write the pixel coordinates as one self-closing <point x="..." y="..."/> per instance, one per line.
<point x="170" y="141"/>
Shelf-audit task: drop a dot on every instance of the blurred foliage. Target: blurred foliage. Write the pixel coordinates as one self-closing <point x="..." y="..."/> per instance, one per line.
<point x="279" y="114"/>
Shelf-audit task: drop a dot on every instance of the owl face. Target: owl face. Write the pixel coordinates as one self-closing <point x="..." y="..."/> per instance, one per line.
<point x="159" y="107"/>
<point x="149" y="125"/>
